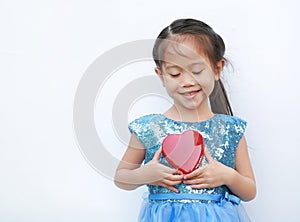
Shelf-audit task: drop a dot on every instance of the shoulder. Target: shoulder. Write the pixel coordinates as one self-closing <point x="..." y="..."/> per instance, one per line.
<point x="146" y="129"/>
<point x="232" y="123"/>
<point x="144" y="122"/>
<point x="145" y="119"/>
<point x="230" y="119"/>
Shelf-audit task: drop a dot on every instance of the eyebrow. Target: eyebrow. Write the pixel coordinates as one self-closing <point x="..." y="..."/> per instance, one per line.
<point x="196" y="63"/>
<point x="172" y="66"/>
<point x="192" y="64"/>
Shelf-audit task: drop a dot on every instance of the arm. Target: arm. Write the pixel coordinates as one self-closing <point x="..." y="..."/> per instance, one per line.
<point x="131" y="161"/>
<point x="239" y="180"/>
<point x="130" y="174"/>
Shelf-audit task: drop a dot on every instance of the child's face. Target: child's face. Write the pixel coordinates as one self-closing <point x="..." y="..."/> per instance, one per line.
<point x="188" y="75"/>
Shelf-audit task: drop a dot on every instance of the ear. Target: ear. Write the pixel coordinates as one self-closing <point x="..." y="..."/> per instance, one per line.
<point x="219" y="68"/>
<point x="160" y="75"/>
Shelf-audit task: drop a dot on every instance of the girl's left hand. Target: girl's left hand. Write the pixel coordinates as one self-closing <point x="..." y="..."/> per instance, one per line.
<point x="212" y="175"/>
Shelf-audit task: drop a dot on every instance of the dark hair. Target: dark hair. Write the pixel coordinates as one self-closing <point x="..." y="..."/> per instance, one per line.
<point x="213" y="47"/>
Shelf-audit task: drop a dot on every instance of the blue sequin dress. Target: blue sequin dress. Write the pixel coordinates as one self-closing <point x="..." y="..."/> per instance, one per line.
<point x="221" y="135"/>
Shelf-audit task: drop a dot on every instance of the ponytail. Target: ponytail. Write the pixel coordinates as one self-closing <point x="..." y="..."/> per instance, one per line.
<point x="219" y="100"/>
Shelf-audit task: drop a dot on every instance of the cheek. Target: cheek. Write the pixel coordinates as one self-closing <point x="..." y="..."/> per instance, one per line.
<point x="170" y="88"/>
<point x="208" y="90"/>
<point x="207" y="83"/>
<point x="170" y="84"/>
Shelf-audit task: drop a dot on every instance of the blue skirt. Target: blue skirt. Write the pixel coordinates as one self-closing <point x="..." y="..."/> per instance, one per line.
<point x="192" y="208"/>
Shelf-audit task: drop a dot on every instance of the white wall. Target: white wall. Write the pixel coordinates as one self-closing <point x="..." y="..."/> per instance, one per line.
<point x="45" y="48"/>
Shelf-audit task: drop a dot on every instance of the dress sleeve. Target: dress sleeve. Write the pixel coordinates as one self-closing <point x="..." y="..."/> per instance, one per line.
<point x="141" y="129"/>
<point x="238" y="127"/>
<point x="135" y="127"/>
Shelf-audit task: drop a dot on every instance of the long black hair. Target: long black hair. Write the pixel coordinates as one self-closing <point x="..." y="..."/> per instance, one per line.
<point x="214" y="48"/>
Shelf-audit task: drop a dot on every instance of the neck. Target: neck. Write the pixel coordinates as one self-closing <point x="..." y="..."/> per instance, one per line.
<point x="190" y="115"/>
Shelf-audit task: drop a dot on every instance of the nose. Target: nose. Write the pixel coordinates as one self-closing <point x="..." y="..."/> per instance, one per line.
<point x="188" y="80"/>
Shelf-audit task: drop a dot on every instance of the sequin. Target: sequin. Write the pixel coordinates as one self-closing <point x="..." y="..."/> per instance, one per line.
<point x="221" y="134"/>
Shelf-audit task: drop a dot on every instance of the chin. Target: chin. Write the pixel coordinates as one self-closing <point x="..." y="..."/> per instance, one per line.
<point x="195" y="106"/>
<point x="191" y="107"/>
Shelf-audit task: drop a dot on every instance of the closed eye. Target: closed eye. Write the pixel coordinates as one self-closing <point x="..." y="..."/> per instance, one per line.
<point x="197" y="72"/>
<point x="174" y="74"/>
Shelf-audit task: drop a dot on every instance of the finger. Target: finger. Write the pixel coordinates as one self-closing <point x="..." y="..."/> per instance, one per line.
<point x="171" y="188"/>
<point x="195" y="181"/>
<point x="173" y="177"/>
<point x="168" y="170"/>
<point x="193" y="174"/>
<point x="157" y="154"/>
<point x="179" y="172"/>
<point x="208" y="156"/>
<point x="171" y="182"/>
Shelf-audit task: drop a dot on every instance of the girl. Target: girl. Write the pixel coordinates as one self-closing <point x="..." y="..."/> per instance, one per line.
<point x="189" y="57"/>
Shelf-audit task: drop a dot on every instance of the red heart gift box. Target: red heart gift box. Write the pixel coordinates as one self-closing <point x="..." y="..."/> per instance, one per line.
<point x="184" y="151"/>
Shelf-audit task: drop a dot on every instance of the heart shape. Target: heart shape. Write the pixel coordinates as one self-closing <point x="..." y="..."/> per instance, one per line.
<point x="184" y="151"/>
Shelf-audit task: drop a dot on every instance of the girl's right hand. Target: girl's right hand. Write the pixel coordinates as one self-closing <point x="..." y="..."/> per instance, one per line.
<point x="161" y="175"/>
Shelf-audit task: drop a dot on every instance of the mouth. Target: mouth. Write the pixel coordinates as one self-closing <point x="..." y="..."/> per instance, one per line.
<point x="191" y="94"/>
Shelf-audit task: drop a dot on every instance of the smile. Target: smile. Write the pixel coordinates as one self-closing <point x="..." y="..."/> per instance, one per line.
<point x="191" y="94"/>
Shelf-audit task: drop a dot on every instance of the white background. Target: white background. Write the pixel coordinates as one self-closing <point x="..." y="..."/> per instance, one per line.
<point x="45" y="48"/>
